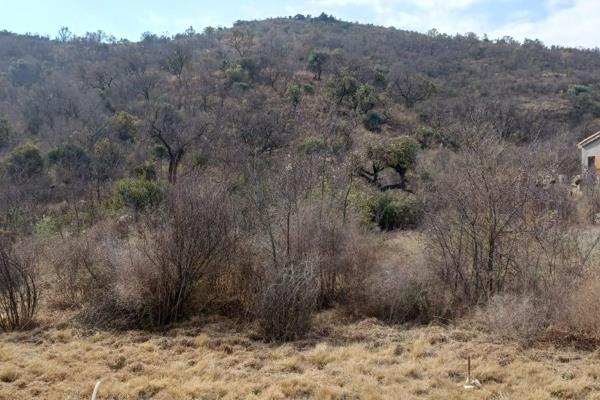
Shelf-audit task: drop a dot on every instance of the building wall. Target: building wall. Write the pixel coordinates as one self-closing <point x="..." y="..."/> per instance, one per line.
<point x="592" y="149"/>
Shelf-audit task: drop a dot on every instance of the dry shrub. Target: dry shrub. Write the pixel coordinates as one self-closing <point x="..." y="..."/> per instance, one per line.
<point x="181" y="248"/>
<point x="288" y="300"/>
<point x="83" y="267"/>
<point x="582" y="309"/>
<point x="233" y="291"/>
<point x="343" y="255"/>
<point x="515" y="317"/>
<point x="398" y="294"/>
<point x="18" y="288"/>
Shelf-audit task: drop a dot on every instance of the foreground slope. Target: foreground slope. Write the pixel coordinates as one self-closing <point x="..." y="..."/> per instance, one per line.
<point x="350" y="360"/>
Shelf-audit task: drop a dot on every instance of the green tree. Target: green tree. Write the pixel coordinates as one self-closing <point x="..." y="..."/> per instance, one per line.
<point x="125" y="126"/>
<point x="139" y="194"/>
<point x="25" y="162"/>
<point x="584" y="101"/>
<point x="316" y="62"/>
<point x="294" y="94"/>
<point x="342" y="87"/>
<point x="72" y="160"/>
<point x="401" y="154"/>
<point x="365" y="98"/>
<point x="398" y="153"/>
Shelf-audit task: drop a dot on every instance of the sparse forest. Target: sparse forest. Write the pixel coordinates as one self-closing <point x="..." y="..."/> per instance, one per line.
<point x="282" y="172"/>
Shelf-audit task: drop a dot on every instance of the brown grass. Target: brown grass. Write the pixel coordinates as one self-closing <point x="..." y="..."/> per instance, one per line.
<point x="216" y="359"/>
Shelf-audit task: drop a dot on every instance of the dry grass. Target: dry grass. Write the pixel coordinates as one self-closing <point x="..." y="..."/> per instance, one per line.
<point x="217" y="359"/>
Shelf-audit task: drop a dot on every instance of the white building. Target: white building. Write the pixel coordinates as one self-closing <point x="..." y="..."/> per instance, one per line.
<point x="590" y="155"/>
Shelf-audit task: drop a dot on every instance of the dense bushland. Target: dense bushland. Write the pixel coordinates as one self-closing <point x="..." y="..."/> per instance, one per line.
<point x="256" y="171"/>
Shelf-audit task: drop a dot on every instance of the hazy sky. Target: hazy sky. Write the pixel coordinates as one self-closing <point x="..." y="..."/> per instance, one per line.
<point x="564" y="22"/>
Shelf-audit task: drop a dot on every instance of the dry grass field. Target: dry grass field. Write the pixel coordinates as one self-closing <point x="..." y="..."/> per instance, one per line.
<point x="342" y="359"/>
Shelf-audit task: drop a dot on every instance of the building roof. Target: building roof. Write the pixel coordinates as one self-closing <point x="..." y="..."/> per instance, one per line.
<point x="589" y="139"/>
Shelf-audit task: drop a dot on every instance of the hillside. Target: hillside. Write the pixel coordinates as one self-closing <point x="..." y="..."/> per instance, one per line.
<point x="297" y="208"/>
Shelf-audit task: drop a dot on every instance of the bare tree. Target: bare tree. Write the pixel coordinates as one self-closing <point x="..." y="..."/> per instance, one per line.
<point x="176" y="60"/>
<point x="493" y="216"/>
<point x="241" y="40"/>
<point x="176" y="131"/>
<point x="410" y="87"/>
<point x="18" y="289"/>
<point x="183" y="247"/>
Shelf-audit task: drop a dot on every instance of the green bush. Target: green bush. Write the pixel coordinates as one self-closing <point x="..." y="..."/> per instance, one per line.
<point x="69" y="156"/>
<point x="139" y="194"/>
<point x="308" y="88"/>
<point x="236" y="73"/>
<point x="159" y="152"/>
<point x="125" y="126"/>
<point x="294" y="94"/>
<point x="25" y="162"/>
<point x="316" y="61"/>
<point x="429" y="137"/>
<point x="372" y="121"/>
<point x="343" y="86"/>
<point x="145" y="171"/>
<point x="394" y="210"/>
<point x="312" y="145"/>
<point x="365" y="98"/>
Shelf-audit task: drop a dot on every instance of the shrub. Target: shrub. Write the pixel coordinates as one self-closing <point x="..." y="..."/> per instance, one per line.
<point x="342" y="86"/>
<point x="18" y="289"/>
<point x="125" y="126"/>
<point x="582" y="309"/>
<point x="294" y="94"/>
<point x="159" y="152"/>
<point x="83" y="267"/>
<point x="236" y="74"/>
<point x="365" y="98"/>
<point x="401" y="293"/>
<point x="287" y="303"/>
<point x="428" y="137"/>
<point x="71" y="159"/>
<point x="312" y="145"/>
<point x="139" y="194"/>
<point x="372" y="121"/>
<point x="394" y="210"/>
<point x="145" y="171"/>
<point x="181" y="249"/>
<point x="515" y="317"/>
<point x="25" y="162"/>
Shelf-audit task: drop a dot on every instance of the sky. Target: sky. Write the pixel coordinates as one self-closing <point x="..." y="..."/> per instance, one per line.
<point x="572" y="23"/>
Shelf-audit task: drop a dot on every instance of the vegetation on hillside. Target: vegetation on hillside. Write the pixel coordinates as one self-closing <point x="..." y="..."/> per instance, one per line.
<point x="254" y="171"/>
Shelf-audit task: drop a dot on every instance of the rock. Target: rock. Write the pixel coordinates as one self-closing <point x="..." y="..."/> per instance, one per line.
<point x="125" y="219"/>
<point x="472" y="384"/>
<point x="123" y="223"/>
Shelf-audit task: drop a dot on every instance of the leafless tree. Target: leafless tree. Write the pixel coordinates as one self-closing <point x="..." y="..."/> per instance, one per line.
<point x="183" y="247"/>
<point x="409" y="86"/>
<point x="485" y="216"/>
<point x="18" y="289"/>
<point x="176" y="131"/>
